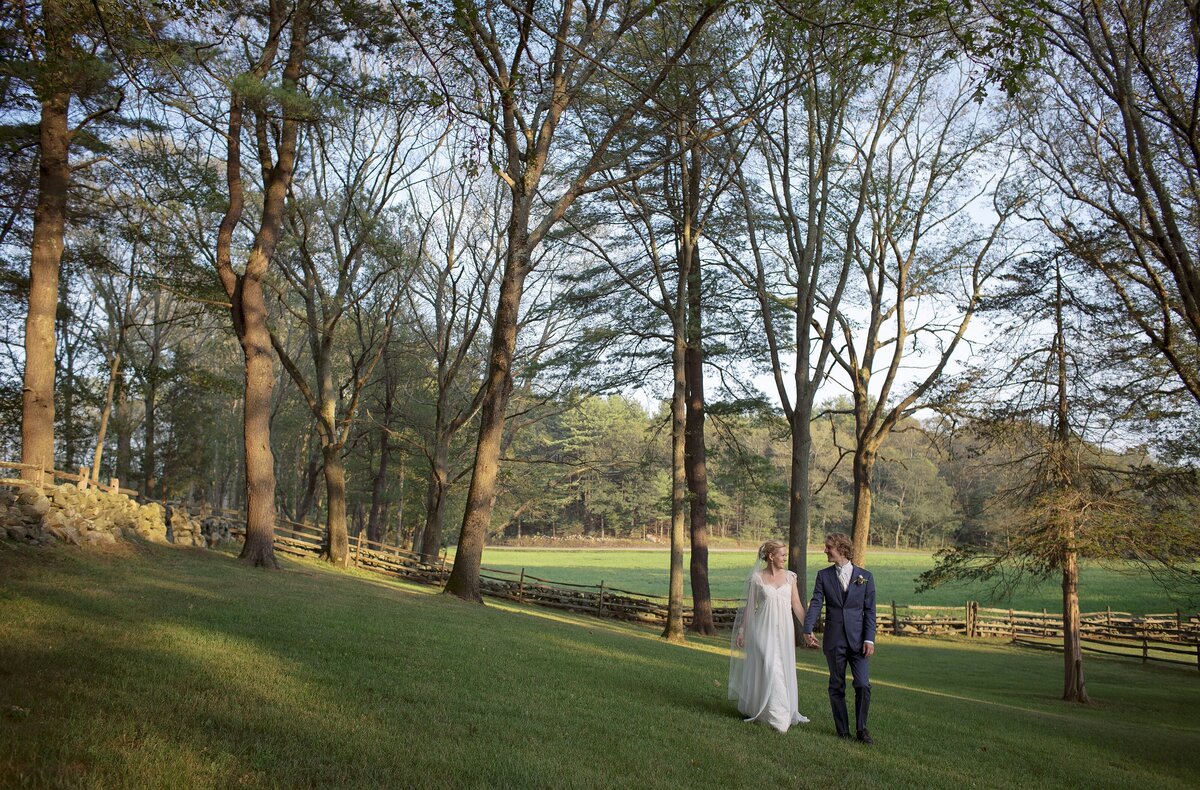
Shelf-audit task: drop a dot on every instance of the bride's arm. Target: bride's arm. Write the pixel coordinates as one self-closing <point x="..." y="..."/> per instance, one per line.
<point x="749" y="613"/>
<point x="797" y="607"/>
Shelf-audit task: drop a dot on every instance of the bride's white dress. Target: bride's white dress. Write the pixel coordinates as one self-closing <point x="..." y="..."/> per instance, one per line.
<point x="766" y="688"/>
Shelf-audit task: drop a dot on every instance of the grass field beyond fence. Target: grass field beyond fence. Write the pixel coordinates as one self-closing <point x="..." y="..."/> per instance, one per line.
<point x="1126" y="587"/>
<point x="179" y="667"/>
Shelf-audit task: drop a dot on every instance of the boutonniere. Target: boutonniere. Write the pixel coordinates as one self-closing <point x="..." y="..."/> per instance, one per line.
<point x="861" y="579"/>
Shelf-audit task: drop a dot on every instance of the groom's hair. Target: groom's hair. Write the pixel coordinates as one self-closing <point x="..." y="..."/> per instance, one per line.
<point x="841" y="541"/>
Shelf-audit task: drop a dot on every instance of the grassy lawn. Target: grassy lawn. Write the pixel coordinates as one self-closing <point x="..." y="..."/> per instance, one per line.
<point x="156" y="667"/>
<point x="1125" y="589"/>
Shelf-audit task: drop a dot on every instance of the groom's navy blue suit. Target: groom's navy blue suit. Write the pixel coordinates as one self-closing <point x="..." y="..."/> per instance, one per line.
<point x="849" y="622"/>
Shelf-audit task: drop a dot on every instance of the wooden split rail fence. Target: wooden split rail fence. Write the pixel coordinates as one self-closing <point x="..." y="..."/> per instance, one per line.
<point x="1171" y="638"/>
<point x="601" y="600"/>
<point x="47" y="477"/>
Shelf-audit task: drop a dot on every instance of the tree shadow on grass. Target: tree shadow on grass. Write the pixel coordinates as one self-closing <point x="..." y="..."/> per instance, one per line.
<point x="170" y="668"/>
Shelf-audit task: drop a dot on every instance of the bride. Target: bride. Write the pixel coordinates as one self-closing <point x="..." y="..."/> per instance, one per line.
<point x="762" y="664"/>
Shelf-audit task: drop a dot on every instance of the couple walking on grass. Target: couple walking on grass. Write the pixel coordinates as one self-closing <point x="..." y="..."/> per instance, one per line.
<point x="762" y="665"/>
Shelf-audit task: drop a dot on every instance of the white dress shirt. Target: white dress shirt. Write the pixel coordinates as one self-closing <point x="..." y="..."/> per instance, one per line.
<point x="844" y="572"/>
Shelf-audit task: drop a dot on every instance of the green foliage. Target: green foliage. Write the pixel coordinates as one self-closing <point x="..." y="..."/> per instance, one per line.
<point x="589" y="469"/>
<point x="603" y="465"/>
<point x="1038" y="412"/>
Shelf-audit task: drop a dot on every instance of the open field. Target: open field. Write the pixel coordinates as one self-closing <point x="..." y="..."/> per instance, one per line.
<point x="1127" y="588"/>
<point x="174" y="667"/>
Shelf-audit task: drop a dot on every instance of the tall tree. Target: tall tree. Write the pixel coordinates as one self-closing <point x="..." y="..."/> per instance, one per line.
<point x="677" y="196"/>
<point x="1066" y="499"/>
<point x="60" y="67"/>
<point x="920" y="263"/>
<point x="71" y="65"/>
<point x="652" y="260"/>
<point x="245" y="289"/>
<point x="359" y="161"/>
<point x="54" y="91"/>
<point x="118" y="302"/>
<point x="536" y="61"/>
<point x="805" y="202"/>
<point x="450" y="297"/>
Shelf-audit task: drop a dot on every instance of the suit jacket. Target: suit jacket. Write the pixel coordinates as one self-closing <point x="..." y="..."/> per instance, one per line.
<point x="849" y="615"/>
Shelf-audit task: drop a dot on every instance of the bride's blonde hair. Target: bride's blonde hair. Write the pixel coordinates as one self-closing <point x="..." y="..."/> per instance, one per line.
<point x="770" y="547"/>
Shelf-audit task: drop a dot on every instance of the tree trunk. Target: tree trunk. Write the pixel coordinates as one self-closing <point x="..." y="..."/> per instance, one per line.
<point x="435" y="500"/>
<point x="695" y="455"/>
<point x="338" y="551"/>
<point x="68" y="441"/>
<point x="864" y="471"/>
<point x="150" y="448"/>
<point x="1074" y="689"/>
<point x="464" y="577"/>
<point x="400" y="531"/>
<point x="674" y="628"/>
<point x="375" y="521"/>
<point x="150" y="405"/>
<point x="308" y="497"/>
<point x="799" y="487"/>
<point x="249" y="305"/>
<point x="123" y="425"/>
<point x="105" y="412"/>
<point x="49" y="227"/>
<point x="1073" y="686"/>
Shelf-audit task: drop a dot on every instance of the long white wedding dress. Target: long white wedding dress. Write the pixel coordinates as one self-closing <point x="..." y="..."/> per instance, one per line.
<point x="762" y="675"/>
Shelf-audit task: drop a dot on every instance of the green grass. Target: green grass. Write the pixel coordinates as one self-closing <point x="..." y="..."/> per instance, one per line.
<point x="163" y="667"/>
<point x="1127" y="588"/>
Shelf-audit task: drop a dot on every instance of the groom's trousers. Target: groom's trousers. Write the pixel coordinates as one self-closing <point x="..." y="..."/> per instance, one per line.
<point x="838" y="658"/>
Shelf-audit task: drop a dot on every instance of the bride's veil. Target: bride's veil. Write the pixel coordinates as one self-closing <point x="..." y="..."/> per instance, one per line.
<point x="742" y="623"/>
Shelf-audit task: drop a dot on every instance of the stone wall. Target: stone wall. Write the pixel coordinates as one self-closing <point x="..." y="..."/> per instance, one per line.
<point x="66" y="514"/>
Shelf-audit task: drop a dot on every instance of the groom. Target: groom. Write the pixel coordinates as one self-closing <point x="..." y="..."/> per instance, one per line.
<point x="849" y="597"/>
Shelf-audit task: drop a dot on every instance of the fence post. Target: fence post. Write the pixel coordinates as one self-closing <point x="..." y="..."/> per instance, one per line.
<point x="895" y="620"/>
<point x="357" y="548"/>
<point x="1145" y="644"/>
<point x="600" y="603"/>
<point x="1108" y="622"/>
<point x="1012" y="624"/>
<point x="84" y="475"/>
<point x="114" y="485"/>
<point x="1045" y="627"/>
<point x="521" y="587"/>
<point x="972" y="619"/>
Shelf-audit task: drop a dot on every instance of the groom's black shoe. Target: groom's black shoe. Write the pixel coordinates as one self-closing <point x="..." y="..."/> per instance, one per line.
<point x="864" y="737"/>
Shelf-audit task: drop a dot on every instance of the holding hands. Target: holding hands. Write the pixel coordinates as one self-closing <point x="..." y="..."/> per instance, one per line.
<point x="810" y="640"/>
